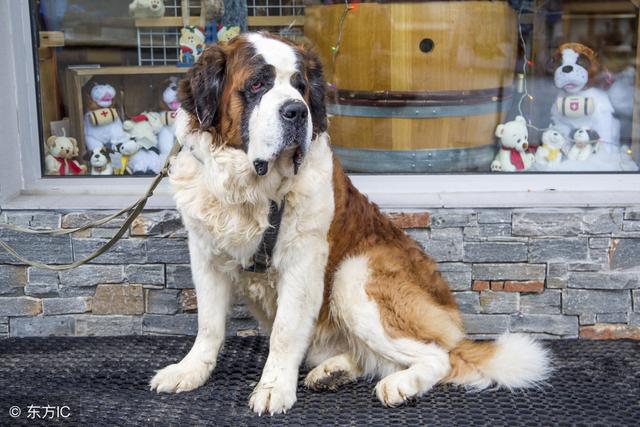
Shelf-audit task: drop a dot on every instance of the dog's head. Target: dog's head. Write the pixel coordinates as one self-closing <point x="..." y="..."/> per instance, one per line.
<point x="258" y="93"/>
<point x="575" y="66"/>
<point x="582" y="136"/>
<point x="99" y="157"/>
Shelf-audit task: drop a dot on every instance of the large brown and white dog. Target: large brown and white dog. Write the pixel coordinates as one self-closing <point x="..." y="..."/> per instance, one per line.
<point x="344" y="286"/>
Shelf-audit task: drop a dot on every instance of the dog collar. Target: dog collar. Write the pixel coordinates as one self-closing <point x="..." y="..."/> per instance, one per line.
<point x="262" y="257"/>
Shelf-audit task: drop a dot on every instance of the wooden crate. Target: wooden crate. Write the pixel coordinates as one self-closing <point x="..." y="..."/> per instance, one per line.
<point x="138" y="89"/>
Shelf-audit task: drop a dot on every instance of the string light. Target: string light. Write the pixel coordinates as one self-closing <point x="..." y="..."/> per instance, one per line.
<point x="336" y="47"/>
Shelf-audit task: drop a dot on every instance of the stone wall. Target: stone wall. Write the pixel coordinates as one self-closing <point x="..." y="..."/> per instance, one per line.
<point x="555" y="273"/>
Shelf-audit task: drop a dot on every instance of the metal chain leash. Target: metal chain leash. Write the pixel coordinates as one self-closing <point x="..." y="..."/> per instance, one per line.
<point x="132" y="211"/>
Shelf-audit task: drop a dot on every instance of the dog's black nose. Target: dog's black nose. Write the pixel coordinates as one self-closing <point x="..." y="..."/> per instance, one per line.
<point x="293" y="111"/>
<point x="261" y="167"/>
<point x="567" y="69"/>
<point x="97" y="156"/>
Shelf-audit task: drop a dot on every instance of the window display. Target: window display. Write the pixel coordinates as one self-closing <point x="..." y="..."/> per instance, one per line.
<point x="413" y="86"/>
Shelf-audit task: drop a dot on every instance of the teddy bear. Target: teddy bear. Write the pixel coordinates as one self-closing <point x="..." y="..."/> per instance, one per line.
<point x="100" y="160"/>
<point x="513" y="155"/>
<point x="586" y="142"/>
<point x="143" y="129"/>
<point x="59" y="159"/>
<point x="583" y="101"/>
<point x="549" y="153"/>
<point x="102" y="125"/>
<point x="146" y="8"/>
<point x="170" y="102"/>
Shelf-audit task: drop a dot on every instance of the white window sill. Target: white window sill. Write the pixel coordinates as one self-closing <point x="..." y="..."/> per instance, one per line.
<point x="388" y="191"/>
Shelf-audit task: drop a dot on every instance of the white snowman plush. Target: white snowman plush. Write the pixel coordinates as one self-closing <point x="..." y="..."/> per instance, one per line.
<point x="514" y="143"/>
<point x="550" y="151"/>
<point x="101" y="123"/>
<point x="144" y="129"/>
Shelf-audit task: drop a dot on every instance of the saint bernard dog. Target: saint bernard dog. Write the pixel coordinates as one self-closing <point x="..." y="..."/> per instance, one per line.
<point x="343" y="288"/>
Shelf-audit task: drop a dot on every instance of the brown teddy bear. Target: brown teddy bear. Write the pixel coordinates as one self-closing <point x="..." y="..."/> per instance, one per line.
<point x="59" y="159"/>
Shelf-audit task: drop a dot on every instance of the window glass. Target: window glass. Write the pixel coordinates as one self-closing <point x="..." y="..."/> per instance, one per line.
<point x="413" y="86"/>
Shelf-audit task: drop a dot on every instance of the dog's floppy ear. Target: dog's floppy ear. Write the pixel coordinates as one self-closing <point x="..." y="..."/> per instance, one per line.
<point x="201" y="89"/>
<point x="572" y="134"/>
<point x="593" y="135"/>
<point x="317" y="89"/>
<point x="87" y="155"/>
<point x="553" y="62"/>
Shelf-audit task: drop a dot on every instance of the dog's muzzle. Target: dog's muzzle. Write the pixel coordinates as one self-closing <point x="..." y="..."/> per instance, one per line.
<point x="294" y="115"/>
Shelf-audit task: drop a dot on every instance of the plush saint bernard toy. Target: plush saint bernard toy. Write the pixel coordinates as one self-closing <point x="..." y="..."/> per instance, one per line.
<point x="582" y="102"/>
<point x="100" y="160"/>
<point x="259" y="189"/>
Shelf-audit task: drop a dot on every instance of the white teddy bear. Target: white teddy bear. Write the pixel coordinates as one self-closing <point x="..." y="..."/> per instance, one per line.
<point x="146" y="8"/>
<point x="550" y="151"/>
<point x="514" y="143"/>
<point x="59" y="160"/>
<point x="144" y="129"/>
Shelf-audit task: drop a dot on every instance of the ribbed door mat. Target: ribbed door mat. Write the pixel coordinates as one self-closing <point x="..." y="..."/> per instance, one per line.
<point x="103" y="381"/>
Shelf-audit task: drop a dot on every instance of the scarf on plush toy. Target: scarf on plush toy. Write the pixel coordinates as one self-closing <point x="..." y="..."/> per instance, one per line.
<point x="515" y="157"/>
<point x="73" y="167"/>
<point x="553" y="152"/>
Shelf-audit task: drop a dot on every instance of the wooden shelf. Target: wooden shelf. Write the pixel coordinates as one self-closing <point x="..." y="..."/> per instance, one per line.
<point x="252" y="21"/>
<point x="128" y="70"/>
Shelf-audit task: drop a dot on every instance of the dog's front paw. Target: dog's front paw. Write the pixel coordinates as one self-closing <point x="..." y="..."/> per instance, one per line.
<point x="180" y="377"/>
<point x="272" y="398"/>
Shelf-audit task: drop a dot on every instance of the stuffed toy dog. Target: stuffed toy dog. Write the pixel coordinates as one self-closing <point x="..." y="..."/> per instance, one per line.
<point x="102" y="125"/>
<point x="59" y="159"/>
<point x="170" y="102"/>
<point x="583" y="101"/>
<point x="100" y="160"/>
<point x="586" y="142"/>
<point x="513" y="155"/>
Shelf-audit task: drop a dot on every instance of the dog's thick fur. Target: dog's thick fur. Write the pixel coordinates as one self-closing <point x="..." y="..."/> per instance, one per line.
<point x="346" y="287"/>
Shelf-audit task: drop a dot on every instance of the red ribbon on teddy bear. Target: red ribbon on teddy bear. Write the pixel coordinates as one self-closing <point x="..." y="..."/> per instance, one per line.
<point x="73" y="167"/>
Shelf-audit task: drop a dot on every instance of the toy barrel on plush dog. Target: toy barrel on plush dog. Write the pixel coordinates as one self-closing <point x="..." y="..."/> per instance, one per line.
<point x="575" y="106"/>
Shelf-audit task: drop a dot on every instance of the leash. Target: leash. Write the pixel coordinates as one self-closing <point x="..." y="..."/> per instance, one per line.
<point x="132" y="210"/>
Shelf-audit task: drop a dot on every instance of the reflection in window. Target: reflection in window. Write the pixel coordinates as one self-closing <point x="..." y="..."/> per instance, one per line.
<point x="413" y="87"/>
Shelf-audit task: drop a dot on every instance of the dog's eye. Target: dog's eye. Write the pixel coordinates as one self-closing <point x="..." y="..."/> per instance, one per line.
<point x="298" y="82"/>
<point x="256" y="86"/>
<point x="584" y="62"/>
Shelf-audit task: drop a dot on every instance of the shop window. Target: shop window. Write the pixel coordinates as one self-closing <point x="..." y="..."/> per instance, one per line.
<point x="414" y="87"/>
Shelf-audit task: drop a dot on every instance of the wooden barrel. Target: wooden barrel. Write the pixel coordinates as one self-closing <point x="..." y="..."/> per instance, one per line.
<point x="416" y="86"/>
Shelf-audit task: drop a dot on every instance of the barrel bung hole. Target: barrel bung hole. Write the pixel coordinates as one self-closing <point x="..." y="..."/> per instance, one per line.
<point x="426" y="45"/>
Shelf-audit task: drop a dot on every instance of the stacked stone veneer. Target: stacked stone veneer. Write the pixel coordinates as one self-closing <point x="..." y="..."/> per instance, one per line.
<point x="551" y="272"/>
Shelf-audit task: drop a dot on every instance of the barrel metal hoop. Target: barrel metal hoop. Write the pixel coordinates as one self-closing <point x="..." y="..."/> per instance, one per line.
<point x="471" y="159"/>
<point x="418" y="112"/>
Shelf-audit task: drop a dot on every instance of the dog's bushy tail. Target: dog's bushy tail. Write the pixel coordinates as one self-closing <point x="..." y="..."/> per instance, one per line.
<point x="513" y="361"/>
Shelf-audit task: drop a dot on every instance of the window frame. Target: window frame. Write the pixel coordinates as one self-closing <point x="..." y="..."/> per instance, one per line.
<point x="23" y="187"/>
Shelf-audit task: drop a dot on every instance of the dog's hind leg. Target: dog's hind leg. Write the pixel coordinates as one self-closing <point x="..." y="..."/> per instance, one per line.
<point x="213" y="293"/>
<point x="409" y="366"/>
